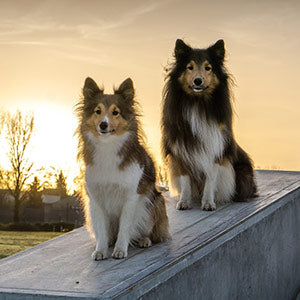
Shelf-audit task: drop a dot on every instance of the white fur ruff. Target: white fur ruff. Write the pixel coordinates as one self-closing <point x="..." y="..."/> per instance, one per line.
<point x="220" y="179"/>
<point x="116" y="211"/>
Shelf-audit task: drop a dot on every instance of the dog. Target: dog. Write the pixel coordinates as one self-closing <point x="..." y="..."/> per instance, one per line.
<point x="123" y="205"/>
<point x="198" y="144"/>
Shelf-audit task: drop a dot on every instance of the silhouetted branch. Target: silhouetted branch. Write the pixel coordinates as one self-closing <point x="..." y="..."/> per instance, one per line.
<point x="19" y="129"/>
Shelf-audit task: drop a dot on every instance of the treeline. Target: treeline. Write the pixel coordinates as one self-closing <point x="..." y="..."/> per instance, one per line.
<point x="54" y="227"/>
<point x="20" y="180"/>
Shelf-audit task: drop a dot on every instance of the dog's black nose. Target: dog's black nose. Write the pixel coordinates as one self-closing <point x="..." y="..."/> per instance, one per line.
<point x="197" y="81"/>
<point x="103" y="125"/>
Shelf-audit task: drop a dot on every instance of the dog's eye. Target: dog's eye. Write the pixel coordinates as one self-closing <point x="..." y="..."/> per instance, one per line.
<point x="98" y="112"/>
<point x="115" y="112"/>
<point x="207" y="68"/>
<point x="190" y="67"/>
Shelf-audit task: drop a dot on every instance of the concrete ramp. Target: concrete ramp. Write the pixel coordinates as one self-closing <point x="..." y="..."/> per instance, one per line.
<point x="240" y="251"/>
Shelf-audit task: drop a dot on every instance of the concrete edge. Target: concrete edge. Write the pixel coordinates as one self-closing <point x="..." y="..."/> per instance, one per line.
<point x="158" y="277"/>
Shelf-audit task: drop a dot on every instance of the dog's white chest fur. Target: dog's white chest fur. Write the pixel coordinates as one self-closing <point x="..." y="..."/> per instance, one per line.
<point x="209" y="136"/>
<point x="208" y="132"/>
<point x="105" y="182"/>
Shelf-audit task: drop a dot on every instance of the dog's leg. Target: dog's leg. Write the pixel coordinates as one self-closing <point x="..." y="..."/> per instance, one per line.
<point x="127" y="220"/>
<point x="185" y="201"/>
<point x="208" y="199"/>
<point x="99" y="224"/>
<point x="160" y="230"/>
<point x="225" y="182"/>
<point x="145" y="242"/>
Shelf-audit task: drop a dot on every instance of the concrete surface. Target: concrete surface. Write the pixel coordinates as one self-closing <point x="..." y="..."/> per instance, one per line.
<point x="240" y="251"/>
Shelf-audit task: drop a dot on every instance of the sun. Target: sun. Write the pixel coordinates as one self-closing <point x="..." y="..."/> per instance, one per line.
<point x="53" y="143"/>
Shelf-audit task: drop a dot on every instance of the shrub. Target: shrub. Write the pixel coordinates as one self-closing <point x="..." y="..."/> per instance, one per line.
<point x="58" y="227"/>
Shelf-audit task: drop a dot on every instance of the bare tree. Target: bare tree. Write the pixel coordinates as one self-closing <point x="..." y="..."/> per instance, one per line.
<point x="18" y="131"/>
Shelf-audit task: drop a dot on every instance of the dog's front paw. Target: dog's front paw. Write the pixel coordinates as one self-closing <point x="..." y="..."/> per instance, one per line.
<point x="119" y="253"/>
<point x="99" y="254"/>
<point x="183" y="205"/>
<point x="145" y="242"/>
<point x="208" y="206"/>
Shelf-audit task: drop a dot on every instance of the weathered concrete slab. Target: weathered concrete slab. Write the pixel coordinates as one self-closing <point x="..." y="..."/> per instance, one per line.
<point x="240" y="251"/>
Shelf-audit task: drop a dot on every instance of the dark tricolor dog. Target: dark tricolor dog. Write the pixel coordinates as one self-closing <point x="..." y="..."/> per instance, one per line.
<point x="198" y="142"/>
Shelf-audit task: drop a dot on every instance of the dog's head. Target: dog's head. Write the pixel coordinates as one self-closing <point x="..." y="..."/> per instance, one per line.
<point x="108" y="114"/>
<point x="199" y="70"/>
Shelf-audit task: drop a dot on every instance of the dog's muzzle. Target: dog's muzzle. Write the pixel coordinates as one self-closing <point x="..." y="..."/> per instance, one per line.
<point x="197" y="85"/>
<point x="198" y="89"/>
<point x="103" y="129"/>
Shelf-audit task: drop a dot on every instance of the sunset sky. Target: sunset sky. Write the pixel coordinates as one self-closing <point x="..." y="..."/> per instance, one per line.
<point x="49" y="47"/>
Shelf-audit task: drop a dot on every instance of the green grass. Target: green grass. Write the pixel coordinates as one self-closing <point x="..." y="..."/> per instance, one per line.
<point x="12" y="242"/>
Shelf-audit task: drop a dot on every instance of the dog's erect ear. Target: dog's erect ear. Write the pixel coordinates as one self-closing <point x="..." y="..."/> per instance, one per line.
<point x="126" y="89"/>
<point x="181" y="49"/>
<point x="218" y="50"/>
<point x="90" y="88"/>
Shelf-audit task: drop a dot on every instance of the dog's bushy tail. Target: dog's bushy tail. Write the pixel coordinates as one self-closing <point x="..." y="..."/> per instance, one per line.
<point x="244" y="177"/>
<point x="160" y="231"/>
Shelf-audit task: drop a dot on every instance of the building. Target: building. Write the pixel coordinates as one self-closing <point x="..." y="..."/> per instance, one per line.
<point x="52" y="208"/>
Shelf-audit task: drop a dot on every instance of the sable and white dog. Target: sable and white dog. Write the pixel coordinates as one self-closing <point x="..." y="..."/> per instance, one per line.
<point x="123" y="205"/>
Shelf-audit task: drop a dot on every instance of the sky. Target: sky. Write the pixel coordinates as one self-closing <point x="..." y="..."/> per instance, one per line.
<point x="49" y="47"/>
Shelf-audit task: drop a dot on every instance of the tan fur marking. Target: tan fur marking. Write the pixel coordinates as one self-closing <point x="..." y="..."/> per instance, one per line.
<point x="117" y="122"/>
<point x="222" y="161"/>
<point x="176" y="168"/>
<point x="95" y="119"/>
<point x="203" y="71"/>
<point x="100" y="107"/>
<point x="222" y="126"/>
<point x="210" y="77"/>
<point x="187" y="77"/>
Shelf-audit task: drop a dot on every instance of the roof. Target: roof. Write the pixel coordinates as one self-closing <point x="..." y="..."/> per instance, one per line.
<point x="50" y="199"/>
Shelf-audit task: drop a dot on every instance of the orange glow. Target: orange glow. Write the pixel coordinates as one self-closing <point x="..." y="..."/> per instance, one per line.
<point x="48" y="48"/>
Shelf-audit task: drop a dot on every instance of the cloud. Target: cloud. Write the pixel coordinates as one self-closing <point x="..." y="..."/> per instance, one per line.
<point x="39" y="24"/>
<point x="71" y="35"/>
<point x="264" y="25"/>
